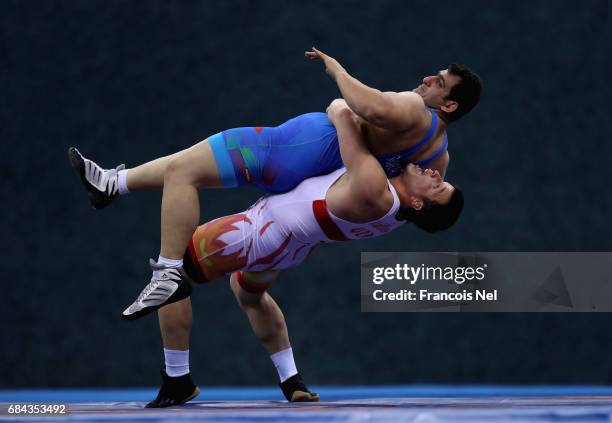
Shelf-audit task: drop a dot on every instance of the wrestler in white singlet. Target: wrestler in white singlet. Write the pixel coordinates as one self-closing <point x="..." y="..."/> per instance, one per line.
<point x="277" y="232"/>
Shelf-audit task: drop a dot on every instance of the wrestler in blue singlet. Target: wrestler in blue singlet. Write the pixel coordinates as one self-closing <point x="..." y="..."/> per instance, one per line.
<point x="277" y="159"/>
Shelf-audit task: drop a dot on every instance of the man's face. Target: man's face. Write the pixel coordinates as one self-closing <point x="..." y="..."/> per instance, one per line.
<point x="426" y="183"/>
<point x="436" y="88"/>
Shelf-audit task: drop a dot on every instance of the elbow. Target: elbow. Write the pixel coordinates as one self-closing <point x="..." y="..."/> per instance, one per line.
<point x="339" y="111"/>
<point x="337" y="106"/>
<point x="345" y="113"/>
<point x="337" y="102"/>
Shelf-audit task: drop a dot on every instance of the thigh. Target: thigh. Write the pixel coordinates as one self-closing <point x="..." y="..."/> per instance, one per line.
<point x="256" y="282"/>
<point x="277" y="159"/>
<point x="217" y="248"/>
<point x="303" y="147"/>
<point x="250" y="288"/>
<point x="240" y="154"/>
<point x="198" y="164"/>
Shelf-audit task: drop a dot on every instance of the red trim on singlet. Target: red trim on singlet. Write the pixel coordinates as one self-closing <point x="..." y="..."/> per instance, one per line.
<point x="264" y="227"/>
<point x="192" y="265"/>
<point x="331" y="230"/>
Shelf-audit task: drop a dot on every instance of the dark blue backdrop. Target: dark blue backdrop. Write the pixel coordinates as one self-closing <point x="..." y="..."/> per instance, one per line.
<point x="128" y="81"/>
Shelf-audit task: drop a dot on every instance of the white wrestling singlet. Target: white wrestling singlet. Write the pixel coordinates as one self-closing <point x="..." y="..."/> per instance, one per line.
<point x="278" y="231"/>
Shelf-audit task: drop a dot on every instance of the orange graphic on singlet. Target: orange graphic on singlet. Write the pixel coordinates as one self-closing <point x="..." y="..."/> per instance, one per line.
<point x="210" y="248"/>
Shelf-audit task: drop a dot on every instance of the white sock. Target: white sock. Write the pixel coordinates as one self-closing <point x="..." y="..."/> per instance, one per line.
<point x="284" y="363"/>
<point x="177" y="362"/>
<point x="174" y="264"/>
<point x="122" y="181"/>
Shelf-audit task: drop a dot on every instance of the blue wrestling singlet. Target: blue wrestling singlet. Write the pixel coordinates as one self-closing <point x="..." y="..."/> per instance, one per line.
<point x="277" y="159"/>
<point x="394" y="163"/>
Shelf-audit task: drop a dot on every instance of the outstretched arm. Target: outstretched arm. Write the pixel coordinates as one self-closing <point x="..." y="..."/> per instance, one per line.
<point x="390" y="110"/>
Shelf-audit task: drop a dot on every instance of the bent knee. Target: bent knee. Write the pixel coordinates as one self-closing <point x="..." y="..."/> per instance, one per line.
<point x="179" y="166"/>
<point x="250" y="287"/>
<point x="196" y="166"/>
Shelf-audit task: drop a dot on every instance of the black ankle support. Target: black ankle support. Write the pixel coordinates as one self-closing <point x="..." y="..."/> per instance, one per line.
<point x="174" y="391"/>
<point x="293" y="384"/>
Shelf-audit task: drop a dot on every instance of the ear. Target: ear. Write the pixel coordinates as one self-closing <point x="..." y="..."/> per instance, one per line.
<point x="416" y="203"/>
<point x="449" y="106"/>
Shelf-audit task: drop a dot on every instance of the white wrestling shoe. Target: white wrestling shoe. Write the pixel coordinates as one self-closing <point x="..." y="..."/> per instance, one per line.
<point x="167" y="286"/>
<point x="101" y="184"/>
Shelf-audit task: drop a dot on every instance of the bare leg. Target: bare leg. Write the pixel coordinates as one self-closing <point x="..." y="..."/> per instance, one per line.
<point x="175" y="322"/>
<point x="185" y="173"/>
<point x="150" y="176"/>
<point x="268" y="324"/>
<point x="265" y="316"/>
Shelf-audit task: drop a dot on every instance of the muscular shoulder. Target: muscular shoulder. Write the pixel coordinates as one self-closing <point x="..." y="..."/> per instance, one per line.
<point x="360" y="197"/>
<point x="402" y="111"/>
<point x="409" y="98"/>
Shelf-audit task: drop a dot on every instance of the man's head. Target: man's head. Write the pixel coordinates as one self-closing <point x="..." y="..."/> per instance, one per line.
<point x="454" y="91"/>
<point x="428" y="201"/>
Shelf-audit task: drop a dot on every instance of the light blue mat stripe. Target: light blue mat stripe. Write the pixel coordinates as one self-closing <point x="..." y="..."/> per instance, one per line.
<point x="327" y="392"/>
<point x="350" y="404"/>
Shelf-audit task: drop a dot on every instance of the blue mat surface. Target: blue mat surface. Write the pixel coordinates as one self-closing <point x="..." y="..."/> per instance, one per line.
<point x="339" y="404"/>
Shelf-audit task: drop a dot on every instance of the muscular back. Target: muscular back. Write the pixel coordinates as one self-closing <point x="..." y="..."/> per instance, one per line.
<point x="384" y="141"/>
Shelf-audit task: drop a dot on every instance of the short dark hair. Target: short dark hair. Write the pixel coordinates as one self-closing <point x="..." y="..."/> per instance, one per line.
<point x="434" y="217"/>
<point x="466" y="93"/>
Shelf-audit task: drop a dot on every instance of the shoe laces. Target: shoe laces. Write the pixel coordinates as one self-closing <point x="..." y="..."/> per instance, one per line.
<point x="112" y="184"/>
<point x="103" y="179"/>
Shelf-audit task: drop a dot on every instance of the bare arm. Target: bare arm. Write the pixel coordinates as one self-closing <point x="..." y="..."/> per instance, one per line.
<point x="440" y="164"/>
<point x="397" y="111"/>
<point x="367" y="179"/>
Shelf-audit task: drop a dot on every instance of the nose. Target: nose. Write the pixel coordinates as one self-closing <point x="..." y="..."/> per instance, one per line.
<point x="427" y="80"/>
<point x="434" y="174"/>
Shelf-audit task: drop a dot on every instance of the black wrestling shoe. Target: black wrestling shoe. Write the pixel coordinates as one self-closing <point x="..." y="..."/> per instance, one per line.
<point x="174" y="391"/>
<point x="167" y="286"/>
<point x="101" y="184"/>
<point x="295" y="390"/>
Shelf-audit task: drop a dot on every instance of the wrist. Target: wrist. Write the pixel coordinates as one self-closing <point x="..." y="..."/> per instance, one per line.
<point x="337" y="73"/>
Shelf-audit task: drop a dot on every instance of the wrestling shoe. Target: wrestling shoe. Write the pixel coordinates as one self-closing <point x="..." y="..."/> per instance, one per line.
<point x="101" y="184"/>
<point x="295" y="390"/>
<point x="167" y="286"/>
<point x="174" y="391"/>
